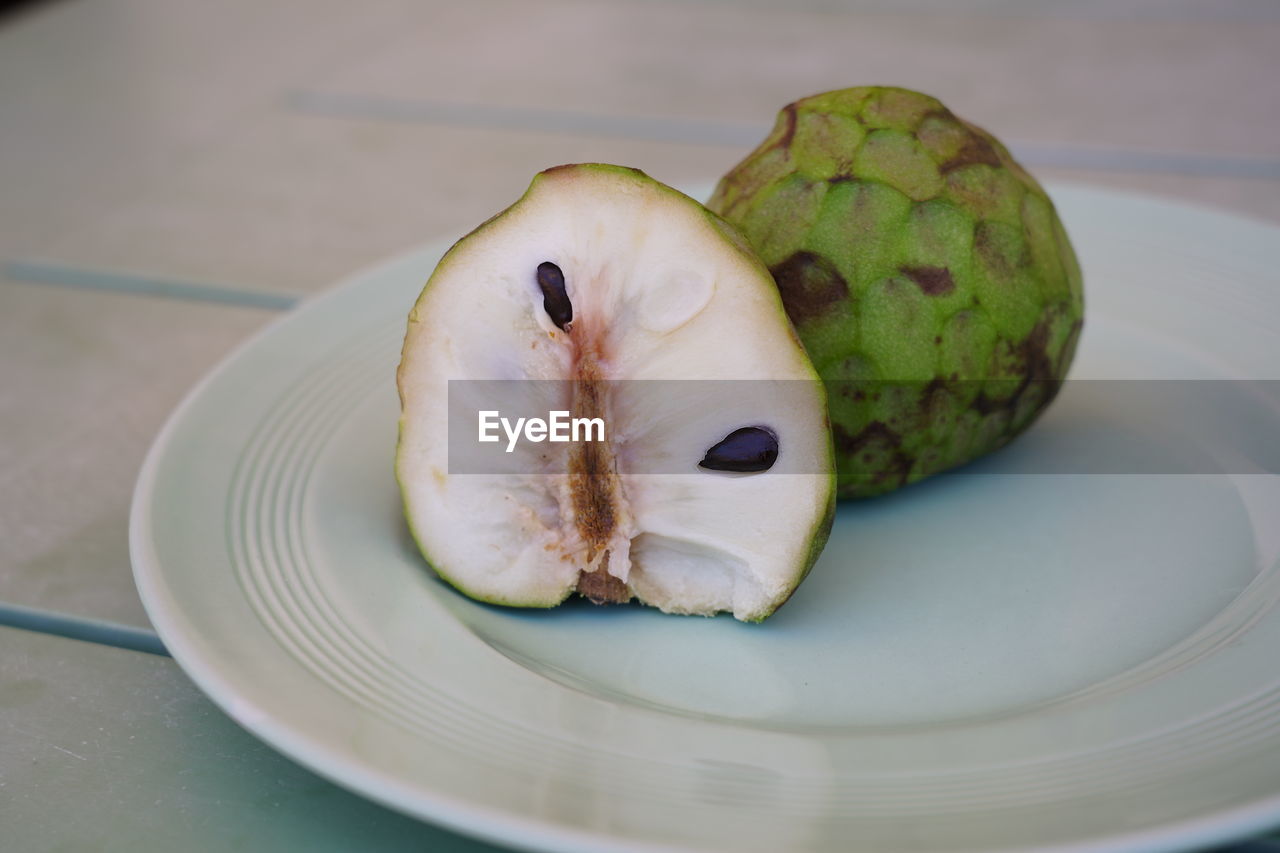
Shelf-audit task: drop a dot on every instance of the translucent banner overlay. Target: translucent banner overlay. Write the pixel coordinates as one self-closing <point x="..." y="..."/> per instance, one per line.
<point x="899" y="429"/>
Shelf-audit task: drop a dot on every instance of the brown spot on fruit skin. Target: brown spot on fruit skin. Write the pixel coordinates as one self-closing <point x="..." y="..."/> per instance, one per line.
<point x="1038" y="371"/>
<point x="789" y="131"/>
<point x="1068" y="348"/>
<point x="1035" y="348"/>
<point x="934" y="281"/>
<point x="809" y="285"/>
<point x="875" y="436"/>
<point x="976" y="150"/>
<point x="935" y="388"/>
<point x="1001" y="254"/>
<point x="872" y="432"/>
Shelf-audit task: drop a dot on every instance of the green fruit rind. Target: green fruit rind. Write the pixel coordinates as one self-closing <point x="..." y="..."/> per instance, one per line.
<point x="927" y="273"/>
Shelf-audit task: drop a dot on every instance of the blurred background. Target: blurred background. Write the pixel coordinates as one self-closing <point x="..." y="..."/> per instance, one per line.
<point x="175" y="174"/>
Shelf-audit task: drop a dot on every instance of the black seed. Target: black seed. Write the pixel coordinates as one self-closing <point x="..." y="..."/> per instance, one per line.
<point x="747" y="450"/>
<point x="554" y="299"/>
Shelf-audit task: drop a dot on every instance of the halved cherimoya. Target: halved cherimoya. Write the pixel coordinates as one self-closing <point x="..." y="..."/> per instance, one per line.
<point x="701" y="479"/>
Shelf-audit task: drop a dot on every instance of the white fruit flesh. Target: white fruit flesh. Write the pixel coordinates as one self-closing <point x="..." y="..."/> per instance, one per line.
<point x="658" y="291"/>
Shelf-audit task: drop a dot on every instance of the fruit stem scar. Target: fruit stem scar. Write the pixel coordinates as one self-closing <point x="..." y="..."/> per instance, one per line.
<point x="555" y="300"/>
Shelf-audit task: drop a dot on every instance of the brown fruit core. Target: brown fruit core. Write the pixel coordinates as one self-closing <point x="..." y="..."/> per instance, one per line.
<point x="594" y="487"/>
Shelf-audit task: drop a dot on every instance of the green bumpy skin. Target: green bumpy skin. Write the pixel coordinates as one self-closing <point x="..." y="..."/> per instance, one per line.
<point x="926" y="272"/>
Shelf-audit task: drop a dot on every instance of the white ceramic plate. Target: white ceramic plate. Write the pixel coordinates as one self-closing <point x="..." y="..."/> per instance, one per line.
<point x="992" y="660"/>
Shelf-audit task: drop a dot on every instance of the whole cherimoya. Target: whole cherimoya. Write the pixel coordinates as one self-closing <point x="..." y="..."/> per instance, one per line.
<point x="608" y="297"/>
<point x="926" y="272"/>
